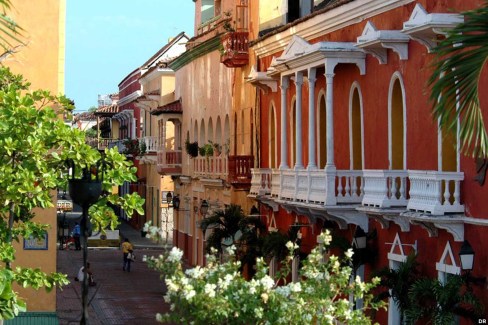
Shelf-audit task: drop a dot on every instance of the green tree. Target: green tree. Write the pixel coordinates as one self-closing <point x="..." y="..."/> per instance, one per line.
<point x="440" y="302"/>
<point x="10" y="32"/>
<point x="460" y="59"/>
<point x="34" y="148"/>
<point x="219" y="294"/>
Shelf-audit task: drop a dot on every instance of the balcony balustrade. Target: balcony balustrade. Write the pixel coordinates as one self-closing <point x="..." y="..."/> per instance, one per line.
<point x="240" y="175"/>
<point x="169" y="162"/>
<point x="235" y="49"/>
<point x="385" y="188"/>
<point x="435" y="192"/>
<point x="151" y="144"/>
<point x="309" y="186"/>
<point x="260" y="182"/>
<point x="211" y="167"/>
<point x="431" y="192"/>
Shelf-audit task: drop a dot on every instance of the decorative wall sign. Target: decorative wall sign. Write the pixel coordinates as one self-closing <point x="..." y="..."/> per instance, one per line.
<point x="32" y="243"/>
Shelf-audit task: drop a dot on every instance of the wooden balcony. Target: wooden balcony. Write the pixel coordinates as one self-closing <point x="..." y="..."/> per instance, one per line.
<point x="235" y="51"/>
<point x="240" y="167"/>
<point x="169" y="162"/>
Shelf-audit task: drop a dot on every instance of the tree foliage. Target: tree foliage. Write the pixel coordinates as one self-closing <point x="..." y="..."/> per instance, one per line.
<point x="34" y="147"/>
<point x="454" y="83"/>
<point x="219" y="294"/>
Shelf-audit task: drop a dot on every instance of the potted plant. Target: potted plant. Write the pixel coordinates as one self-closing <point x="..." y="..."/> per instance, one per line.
<point x="191" y="148"/>
<point x="217" y="148"/>
<point x="207" y="150"/>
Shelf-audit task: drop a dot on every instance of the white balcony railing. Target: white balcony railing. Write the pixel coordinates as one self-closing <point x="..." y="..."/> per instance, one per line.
<point x="385" y="188"/>
<point x="311" y="185"/>
<point x="261" y="181"/>
<point x="432" y="192"/>
<point x="151" y="144"/>
<point x="435" y="192"/>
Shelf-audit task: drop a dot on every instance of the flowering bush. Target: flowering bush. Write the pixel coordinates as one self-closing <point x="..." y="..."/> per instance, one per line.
<point x="218" y="293"/>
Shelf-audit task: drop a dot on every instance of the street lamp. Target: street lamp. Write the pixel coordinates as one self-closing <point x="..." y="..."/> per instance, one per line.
<point x="359" y="240"/>
<point x="176" y="202"/>
<point x="85" y="191"/>
<point x="204" y="208"/>
<point x="466" y="254"/>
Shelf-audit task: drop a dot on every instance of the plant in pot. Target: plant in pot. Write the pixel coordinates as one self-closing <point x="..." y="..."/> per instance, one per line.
<point x="191" y="148"/>
<point x="207" y="150"/>
<point x="217" y="148"/>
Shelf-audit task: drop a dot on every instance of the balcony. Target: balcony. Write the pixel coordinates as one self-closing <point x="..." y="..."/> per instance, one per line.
<point x="119" y="144"/>
<point x="211" y="167"/>
<point x="426" y="192"/>
<point x="385" y="188"/>
<point x="151" y="144"/>
<point x="169" y="162"/>
<point x="435" y="192"/>
<point x="310" y="186"/>
<point x="235" y="52"/>
<point x="240" y="175"/>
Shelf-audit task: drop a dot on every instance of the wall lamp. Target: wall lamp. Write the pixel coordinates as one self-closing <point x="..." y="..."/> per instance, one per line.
<point x="359" y="240"/>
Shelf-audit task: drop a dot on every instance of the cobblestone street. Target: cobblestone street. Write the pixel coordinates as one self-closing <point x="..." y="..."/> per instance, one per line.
<point x="119" y="297"/>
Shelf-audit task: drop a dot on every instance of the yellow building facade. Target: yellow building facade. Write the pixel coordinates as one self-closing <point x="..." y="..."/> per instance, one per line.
<point x="41" y="61"/>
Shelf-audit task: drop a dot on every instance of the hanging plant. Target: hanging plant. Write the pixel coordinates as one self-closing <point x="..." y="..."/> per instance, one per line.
<point x="191" y="148"/>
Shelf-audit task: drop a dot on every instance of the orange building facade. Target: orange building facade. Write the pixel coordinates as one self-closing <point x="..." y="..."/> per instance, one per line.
<point x="347" y="138"/>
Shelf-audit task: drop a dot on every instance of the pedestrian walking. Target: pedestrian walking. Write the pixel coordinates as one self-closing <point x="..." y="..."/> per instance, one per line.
<point x="82" y="272"/>
<point x="126" y="249"/>
<point x="77" y="235"/>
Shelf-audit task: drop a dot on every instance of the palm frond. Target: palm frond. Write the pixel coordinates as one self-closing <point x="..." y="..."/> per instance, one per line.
<point x="460" y="59"/>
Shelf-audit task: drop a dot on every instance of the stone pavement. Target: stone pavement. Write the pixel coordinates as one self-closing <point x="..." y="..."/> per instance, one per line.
<point x="119" y="297"/>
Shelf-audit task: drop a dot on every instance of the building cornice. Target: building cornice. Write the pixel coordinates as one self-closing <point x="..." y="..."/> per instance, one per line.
<point x="129" y="98"/>
<point x="211" y="45"/>
<point x="348" y="14"/>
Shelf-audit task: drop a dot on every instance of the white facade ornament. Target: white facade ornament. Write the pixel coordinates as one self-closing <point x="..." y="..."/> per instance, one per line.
<point x="376" y="42"/>
<point x="424" y="27"/>
<point x="262" y="80"/>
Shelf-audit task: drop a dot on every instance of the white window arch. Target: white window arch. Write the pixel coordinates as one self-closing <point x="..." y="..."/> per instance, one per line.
<point x="356" y="127"/>
<point x="397" y="123"/>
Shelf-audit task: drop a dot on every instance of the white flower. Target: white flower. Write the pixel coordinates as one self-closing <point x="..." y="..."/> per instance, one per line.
<point x="172" y="307"/>
<point x="167" y="298"/>
<point x="159" y="317"/>
<point x="230" y="250"/>
<point x="195" y="273"/>
<point x="210" y="289"/>
<point x="175" y="255"/>
<point x="349" y="253"/>
<point x="267" y="282"/>
<point x="295" y="287"/>
<point x="172" y="286"/>
<point x="283" y="290"/>
<point x="190" y="294"/>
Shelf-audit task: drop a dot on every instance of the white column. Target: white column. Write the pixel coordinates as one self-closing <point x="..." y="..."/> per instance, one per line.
<point x="312" y="164"/>
<point x="298" y="120"/>
<point x="284" y="87"/>
<point x="163" y="139"/>
<point x="330" y="169"/>
<point x="329" y="108"/>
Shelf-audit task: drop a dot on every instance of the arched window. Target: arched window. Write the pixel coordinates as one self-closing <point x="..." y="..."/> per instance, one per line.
<point x="396" y="126"/>
<point x="322" y="130"/>
<point x="355" y="128"/>
<point x="293" y="122"/>
<point x="272" y="137"/>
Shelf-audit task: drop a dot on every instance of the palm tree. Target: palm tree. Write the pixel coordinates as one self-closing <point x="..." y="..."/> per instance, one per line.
<point x="460" y="59"/>
<point x="9" y="31"/>
<point x="398" y="283"/>
<point x="442" y="302"/>
<point x="231" y="227"/>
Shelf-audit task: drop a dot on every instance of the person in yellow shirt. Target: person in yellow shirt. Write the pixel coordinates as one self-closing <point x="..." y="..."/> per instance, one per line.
<point x="126" y="249"/>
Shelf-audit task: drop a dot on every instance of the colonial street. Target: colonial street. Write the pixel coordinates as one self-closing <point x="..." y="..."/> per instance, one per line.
<point x="119" y="297"/>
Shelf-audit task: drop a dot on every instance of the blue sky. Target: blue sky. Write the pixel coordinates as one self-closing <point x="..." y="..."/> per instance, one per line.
<point x="108" y="39"/>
